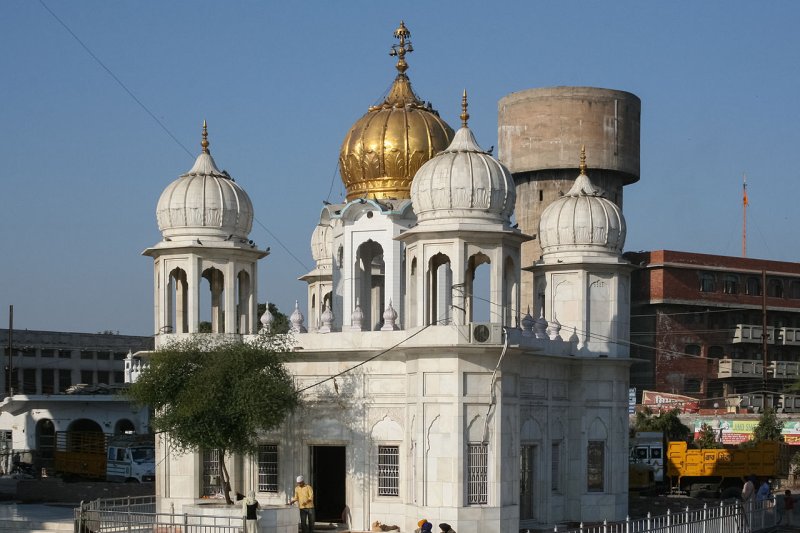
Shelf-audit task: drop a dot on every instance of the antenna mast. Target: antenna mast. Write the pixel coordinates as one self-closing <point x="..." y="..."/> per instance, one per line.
<point x="744" y="215"/>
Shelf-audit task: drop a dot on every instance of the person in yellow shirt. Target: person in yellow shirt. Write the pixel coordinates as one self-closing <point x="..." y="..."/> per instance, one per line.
<point x="304" y="496"/>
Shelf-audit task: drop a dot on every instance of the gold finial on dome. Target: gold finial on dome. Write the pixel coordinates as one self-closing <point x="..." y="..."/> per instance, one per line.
<point x="583" y="160"/>
<point x="464" y="114"/>
<point x="385" y="147"/>
<point x="404" y="46"/>
<point x="204" y="142"/>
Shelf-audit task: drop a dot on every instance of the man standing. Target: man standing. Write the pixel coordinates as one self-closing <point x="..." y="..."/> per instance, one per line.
<point x="304" y="496"/>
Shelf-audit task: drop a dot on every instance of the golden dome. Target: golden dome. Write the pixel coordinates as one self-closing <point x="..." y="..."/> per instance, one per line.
<point x="385" y="148"/>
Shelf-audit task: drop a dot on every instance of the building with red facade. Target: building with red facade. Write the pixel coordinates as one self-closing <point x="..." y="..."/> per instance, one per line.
<point x="697" y="322"/>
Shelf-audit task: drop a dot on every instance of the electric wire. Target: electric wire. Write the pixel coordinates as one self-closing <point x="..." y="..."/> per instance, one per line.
<point x="115" y="78"/>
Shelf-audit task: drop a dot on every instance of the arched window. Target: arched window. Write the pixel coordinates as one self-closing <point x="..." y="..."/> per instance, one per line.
<point x="692" y="349"/>
<point x="511" y="304"/>
<point x="753" y="287"/>
<point x="478" y="303"/>
<point x="440" y="290"/>
<point x="794" y="290"/>
<point x="717" y="352"/>
<point x="243" y="301"/>
<point x="692" y="386"/>
<point x="731" y="284"/>
<point x="369" y="283"/>
<point x="707" y="283"/>
<point x="216" y="290"/>
<point x="412" y="294"/>
<point x="177" y="303"/>
<point x="775" y="288"/>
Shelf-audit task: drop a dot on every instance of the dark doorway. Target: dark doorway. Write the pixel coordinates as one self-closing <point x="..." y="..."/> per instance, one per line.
<point x="328" y="481"/>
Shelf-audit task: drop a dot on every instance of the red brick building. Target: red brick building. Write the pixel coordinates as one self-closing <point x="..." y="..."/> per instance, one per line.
<point x="697" y="321"/>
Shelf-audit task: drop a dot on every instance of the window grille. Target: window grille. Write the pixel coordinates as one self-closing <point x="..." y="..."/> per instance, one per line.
<point x="556" y="467"/>
<point x="268" y="468"/>
<point x="212" y="484"/>
<point x="595" y="466"/>
<point x="477" y="469"/>
<point x="388" y="470"/>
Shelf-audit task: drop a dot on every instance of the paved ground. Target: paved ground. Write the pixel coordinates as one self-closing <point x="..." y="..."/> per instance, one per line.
<point x="35" y="512"/>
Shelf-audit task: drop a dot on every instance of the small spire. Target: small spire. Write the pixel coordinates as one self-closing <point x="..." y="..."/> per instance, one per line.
<point x="583" y="160"/>
<point x="204" y="142"/>
<point x="404" y="36"/>
<point x="464" y="114"/>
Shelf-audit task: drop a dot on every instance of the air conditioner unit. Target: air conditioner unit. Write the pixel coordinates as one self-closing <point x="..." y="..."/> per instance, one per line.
<point x="485" y="333"/>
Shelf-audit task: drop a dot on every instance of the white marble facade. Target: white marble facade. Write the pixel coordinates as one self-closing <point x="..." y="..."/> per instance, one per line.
<point x="517" y="422"/>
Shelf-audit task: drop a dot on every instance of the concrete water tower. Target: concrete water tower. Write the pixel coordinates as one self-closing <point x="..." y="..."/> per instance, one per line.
<point x="540" y="134"/>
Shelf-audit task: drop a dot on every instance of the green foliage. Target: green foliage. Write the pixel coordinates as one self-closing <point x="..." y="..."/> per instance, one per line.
<point x="707" y="438"/>
<point x="210" y="393"/>
<point x="281" y="323"/>
<point x="769" y="427"/>
<point x="666" y="422"/>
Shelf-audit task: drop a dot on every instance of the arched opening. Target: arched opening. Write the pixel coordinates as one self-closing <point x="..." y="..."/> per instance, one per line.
<point x="478" y="302"/>
<point x="84" y="425"/>
<point x="369" y="283"/>
<point x="775" y="288"/>
<point x="124" y="427"/>
<point x="510" y="301"/>
<point x="45" y="441"/>
<point x="214" y="314"/>
<point x="313" y="320"/>
<point x="412" y="295"/>
<point x="243" y="300"/>
<point x="440" y="290"/>
<point x="177" y="303"/>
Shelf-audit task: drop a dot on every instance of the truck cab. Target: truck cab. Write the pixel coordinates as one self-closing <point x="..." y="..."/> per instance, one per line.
<point x="647" y="447"/>
<point x="130" y="462"/>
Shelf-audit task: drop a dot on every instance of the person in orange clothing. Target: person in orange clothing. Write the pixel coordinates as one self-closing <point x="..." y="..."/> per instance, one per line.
<point x="304" y="496"/>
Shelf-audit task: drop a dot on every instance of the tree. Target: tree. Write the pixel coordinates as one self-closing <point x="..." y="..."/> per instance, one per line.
<point x="769" y="427"/>
<point x="218" y="393"/>
<point x="666" y="422"/>
<point x="707" y="438"/>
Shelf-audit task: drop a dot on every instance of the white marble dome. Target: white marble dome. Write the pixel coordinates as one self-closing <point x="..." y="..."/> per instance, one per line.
<point x="582" y="219"/>
<point x="322" y="244"/>
<point x="205" y="202"/>
<point x="463" y="182"/>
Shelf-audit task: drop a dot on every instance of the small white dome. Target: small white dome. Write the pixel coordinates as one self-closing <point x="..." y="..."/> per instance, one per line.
<point x="204" y="202"/>
<point x="582" y="219"/>
<point x="463" y="182"/>
<point x="322" y="244"/>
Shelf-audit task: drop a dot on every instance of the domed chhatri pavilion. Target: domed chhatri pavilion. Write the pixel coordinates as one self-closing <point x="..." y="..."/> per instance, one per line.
<point x="452" y="400"/>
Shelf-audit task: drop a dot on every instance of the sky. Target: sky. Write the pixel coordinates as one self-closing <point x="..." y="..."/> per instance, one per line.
<point x="102" y="103"/>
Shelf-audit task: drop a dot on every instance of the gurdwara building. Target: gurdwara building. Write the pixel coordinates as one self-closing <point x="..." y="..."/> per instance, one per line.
<point x="427" y="394"/>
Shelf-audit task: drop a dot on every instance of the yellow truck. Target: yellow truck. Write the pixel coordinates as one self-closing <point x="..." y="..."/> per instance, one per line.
<point x="95" y="455"/>
<point x="721" y="472"/>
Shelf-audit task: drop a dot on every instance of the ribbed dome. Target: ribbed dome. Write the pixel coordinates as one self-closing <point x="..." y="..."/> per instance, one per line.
<point x="582" y="219"/>
<point x="463" y="182"/>
<point x="204" y="202"/>
<point x="385" y="147"/>
<point x="322" y="244"/>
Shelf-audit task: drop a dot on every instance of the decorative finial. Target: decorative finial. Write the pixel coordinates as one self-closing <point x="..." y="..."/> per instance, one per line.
<point x="464" y="114"/>
<point x="583" y="160"/>
<point x="404" y="36"/>
<point x="204" y="142"/>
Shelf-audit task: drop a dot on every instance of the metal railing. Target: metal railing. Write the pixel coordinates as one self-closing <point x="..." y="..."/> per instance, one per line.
<point x="725" y="518"/>
<point x="137" y="514"/>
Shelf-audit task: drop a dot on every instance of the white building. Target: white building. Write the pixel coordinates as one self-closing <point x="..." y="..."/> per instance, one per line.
<point x="414" y="408"/>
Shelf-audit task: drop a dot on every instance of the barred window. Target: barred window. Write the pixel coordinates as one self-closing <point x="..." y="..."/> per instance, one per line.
<point x="211" y="473"/>
<point x="555" y="483"/>
<point x="477" y="468"/>
<point x="388" y="470"/>
<point x="595" y="466"/>
<point x="268" y="468"/>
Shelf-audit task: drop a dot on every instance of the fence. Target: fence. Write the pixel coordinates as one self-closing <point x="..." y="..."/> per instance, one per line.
<point x="137" y="514"/>
<point x="725" y="518"/>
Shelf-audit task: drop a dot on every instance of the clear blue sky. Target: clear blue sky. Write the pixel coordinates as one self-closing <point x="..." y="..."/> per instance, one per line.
<point x="280" y="83"/>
